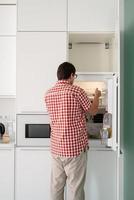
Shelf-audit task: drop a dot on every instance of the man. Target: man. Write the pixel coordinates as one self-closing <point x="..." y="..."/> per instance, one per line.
<point x="67" y="105"/>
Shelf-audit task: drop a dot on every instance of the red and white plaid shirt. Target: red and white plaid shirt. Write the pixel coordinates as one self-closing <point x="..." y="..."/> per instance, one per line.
<point x="67" y="105"/>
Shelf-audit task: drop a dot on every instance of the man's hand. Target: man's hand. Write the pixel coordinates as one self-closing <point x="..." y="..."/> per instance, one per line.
<point x="94" y="106"/>
<point x="97" y="93"/>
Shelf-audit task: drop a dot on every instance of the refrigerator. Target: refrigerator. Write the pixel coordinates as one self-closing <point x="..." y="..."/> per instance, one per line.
<point x="102" y="178"/>
<point x="107" y="83"/>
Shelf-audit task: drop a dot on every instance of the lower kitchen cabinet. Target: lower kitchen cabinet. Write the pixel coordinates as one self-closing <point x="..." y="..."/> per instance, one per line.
<point x="7" y="174"/>
<point x="101" y="176"/>
<point x="33" y="167"/>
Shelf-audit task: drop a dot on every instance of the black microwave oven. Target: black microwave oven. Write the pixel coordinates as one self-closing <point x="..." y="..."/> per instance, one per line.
<point x="37" y="130"/>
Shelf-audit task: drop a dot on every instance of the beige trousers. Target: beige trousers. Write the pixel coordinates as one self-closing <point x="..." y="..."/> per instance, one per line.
<point x="72" y="170"/>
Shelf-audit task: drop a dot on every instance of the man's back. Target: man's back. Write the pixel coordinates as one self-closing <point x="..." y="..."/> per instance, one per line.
<point x="67" y="105"/>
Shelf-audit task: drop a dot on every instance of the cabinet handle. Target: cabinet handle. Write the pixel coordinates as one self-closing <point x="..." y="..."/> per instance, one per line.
<point x="6" y="149"/>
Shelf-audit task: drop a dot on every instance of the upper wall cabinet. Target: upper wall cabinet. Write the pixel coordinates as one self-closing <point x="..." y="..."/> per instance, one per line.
<point x="42" y="15"/>
<point x="38" y="57"/>
<point x="7" y="19"/>
<point x="8" y="65"/>
<point x="91" y="15"/>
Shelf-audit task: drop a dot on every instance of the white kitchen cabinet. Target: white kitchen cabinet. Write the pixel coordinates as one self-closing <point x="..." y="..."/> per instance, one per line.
<point x="7" y="174"/>
<point x="7" y="50"/>
<point x="7" y="19"/>
<point x="42" y="15"/>
<point x="8" y="66"/>
<point x="101" y="175"/>
<point x="8" y="1"/>
<point x="38" y="57"/>
<point x="91" y="15"/>
<point x="33" y="167"/>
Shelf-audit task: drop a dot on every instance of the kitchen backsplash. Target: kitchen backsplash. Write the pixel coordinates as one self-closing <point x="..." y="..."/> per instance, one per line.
<point x="7" y="113"/>
<point x="7" y="107"/>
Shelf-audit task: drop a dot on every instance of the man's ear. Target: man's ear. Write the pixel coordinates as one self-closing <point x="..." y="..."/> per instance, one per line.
<point x="72" y="75"/>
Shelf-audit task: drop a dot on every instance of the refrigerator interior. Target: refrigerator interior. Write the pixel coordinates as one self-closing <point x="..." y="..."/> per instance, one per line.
<point x="106" y="83"/>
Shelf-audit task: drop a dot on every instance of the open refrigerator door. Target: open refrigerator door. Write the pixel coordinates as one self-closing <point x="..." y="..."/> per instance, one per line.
<point x="101" y="128"/>
<point x="113" y="109"/>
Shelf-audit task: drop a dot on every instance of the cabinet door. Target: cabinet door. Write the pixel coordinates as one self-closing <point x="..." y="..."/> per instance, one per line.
<point x="101" y="175"/>
<point x="42" y="15"/>
<point x="8" y="65"/>
<point x="33" y="168"/>
<point x="8" y="1"/>
<point x="38" y="57"/>
<point x="7" y="174"/>
<point x="91" y="15"/>
<point x="7" y="19"/>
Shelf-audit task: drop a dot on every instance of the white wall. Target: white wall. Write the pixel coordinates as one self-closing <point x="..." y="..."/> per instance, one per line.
<point x="7" y="107"/>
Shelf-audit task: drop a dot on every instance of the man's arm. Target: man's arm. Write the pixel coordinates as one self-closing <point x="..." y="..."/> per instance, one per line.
<point x="86" y="104"/>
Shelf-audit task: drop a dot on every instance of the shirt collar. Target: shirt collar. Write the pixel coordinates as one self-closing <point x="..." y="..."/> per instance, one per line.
<point x="62" y="82"/>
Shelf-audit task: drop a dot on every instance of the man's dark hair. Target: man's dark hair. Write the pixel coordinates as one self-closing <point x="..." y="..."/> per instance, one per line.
<point x="65" y="70"/>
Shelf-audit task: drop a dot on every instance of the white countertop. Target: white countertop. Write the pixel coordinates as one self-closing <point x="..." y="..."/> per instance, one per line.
<point x="93" y="146"/>
<point x="99" y="149"/>
<point x="7" y="145"/>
